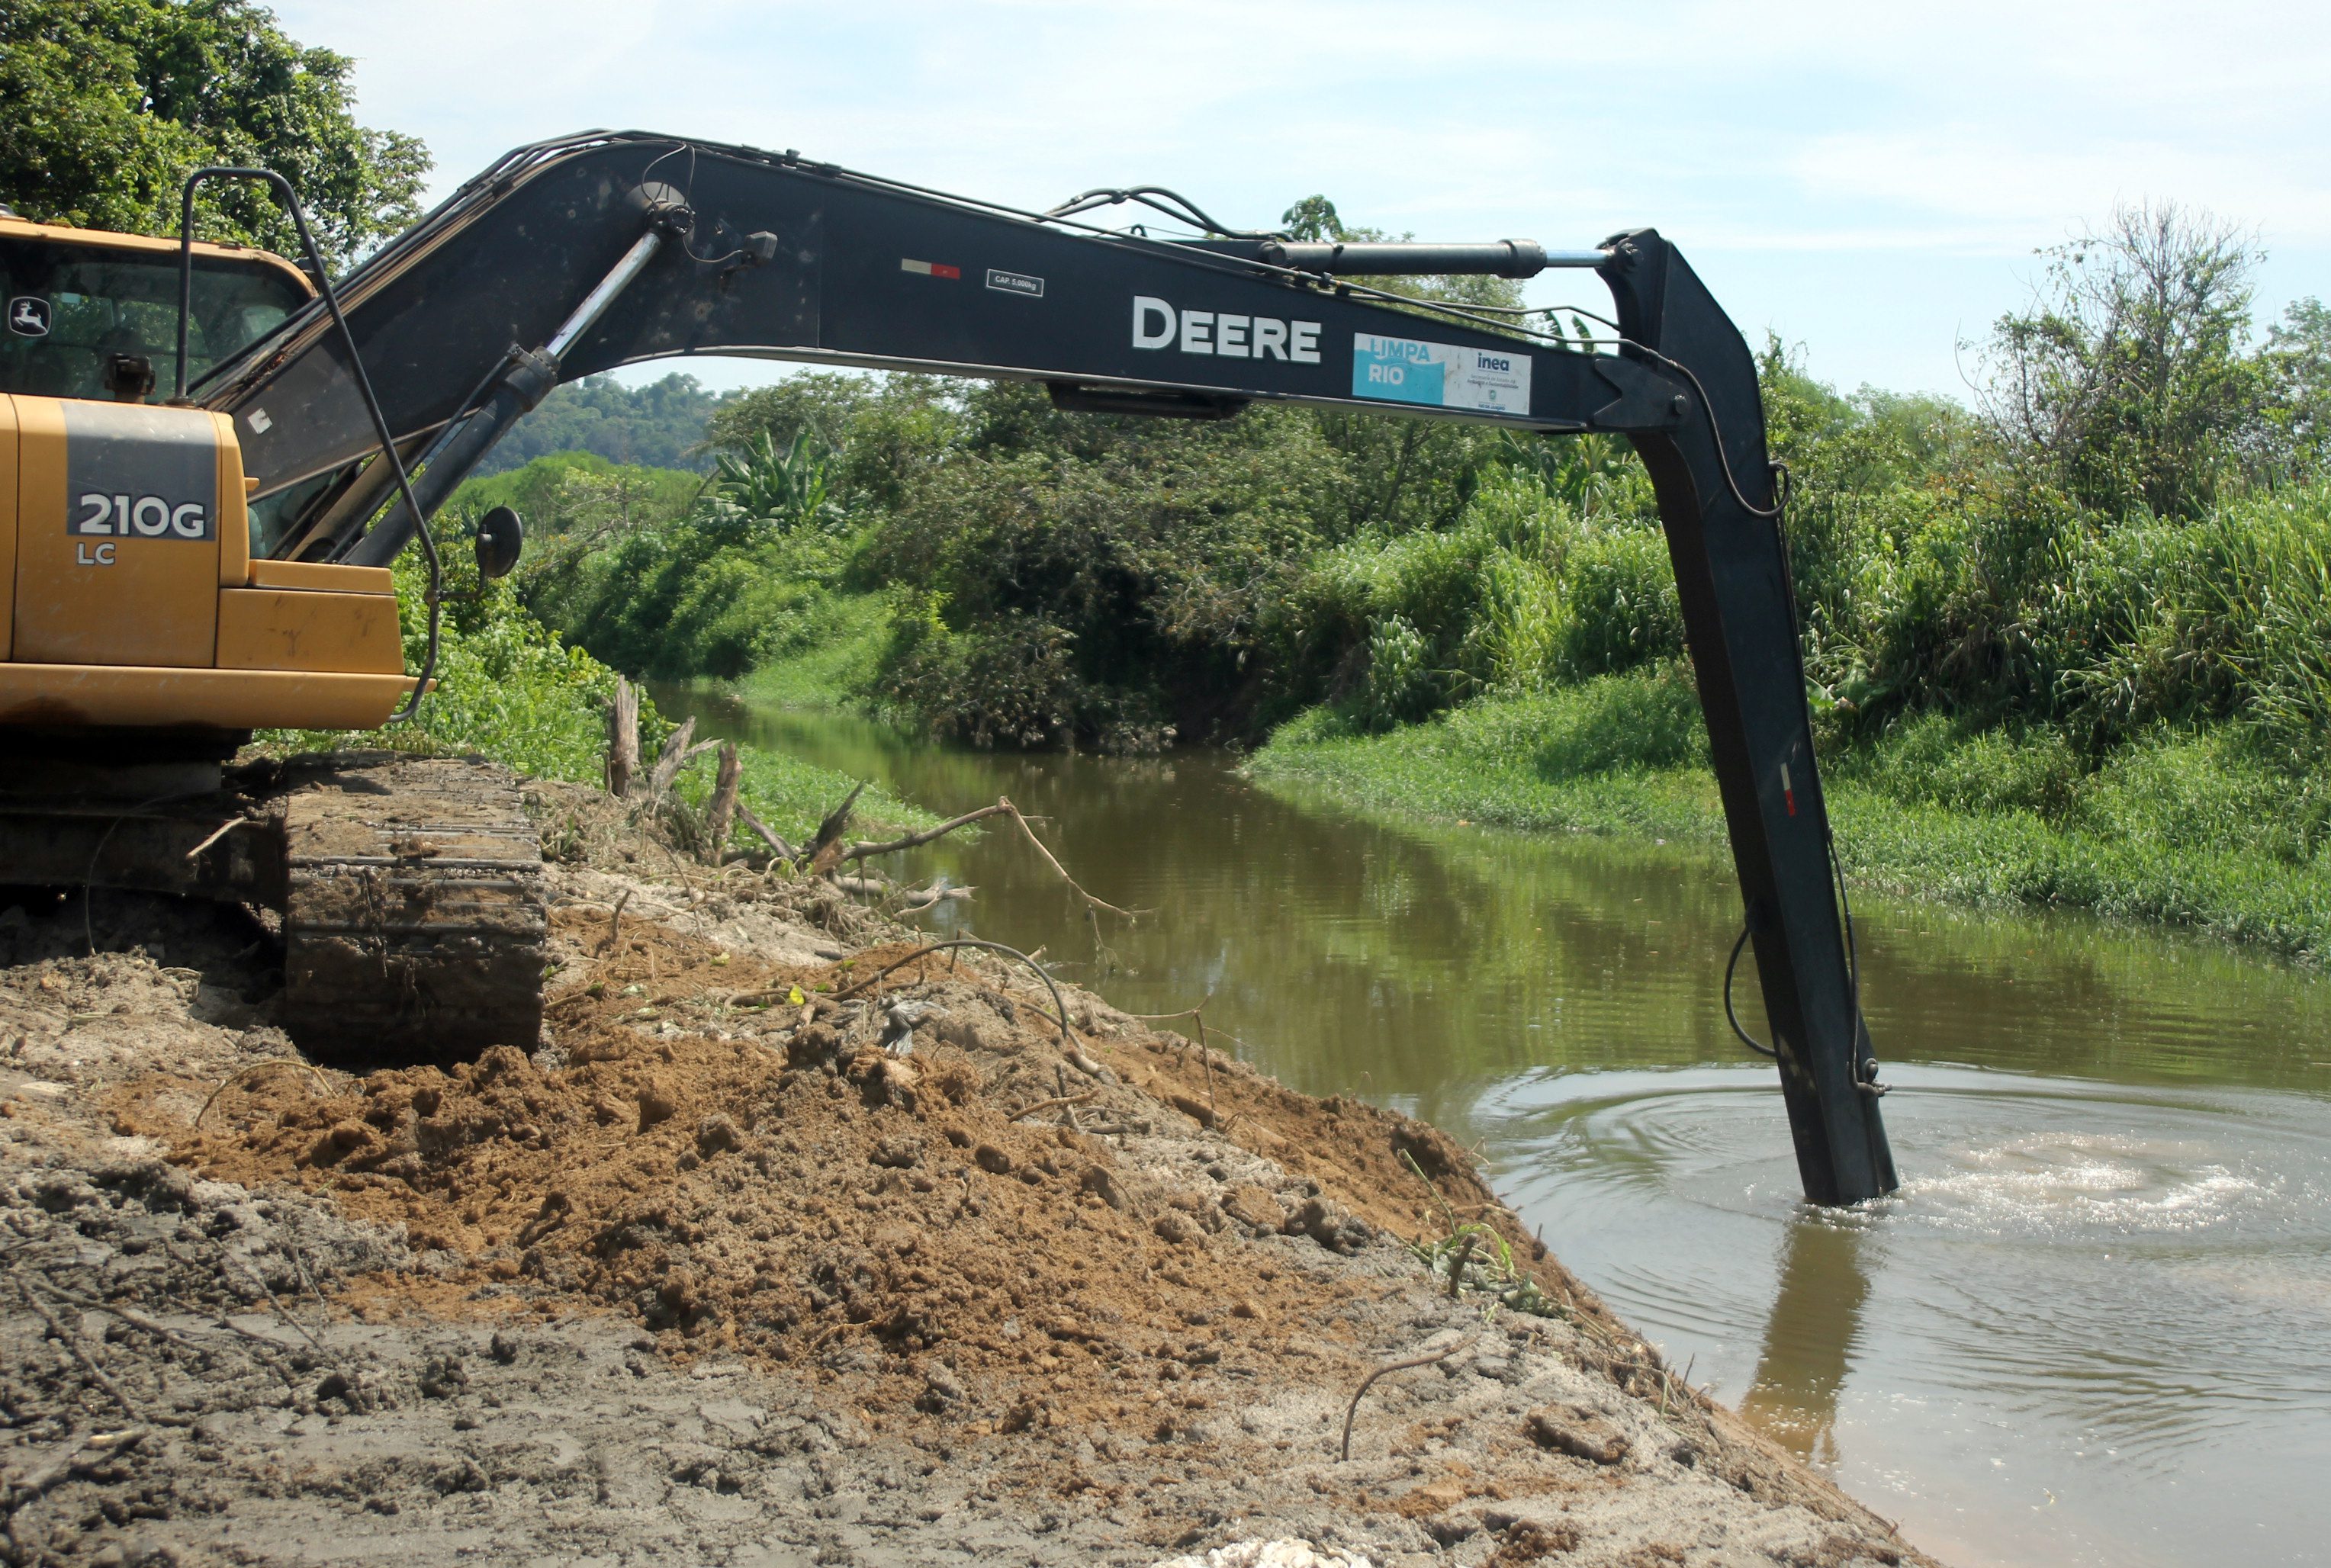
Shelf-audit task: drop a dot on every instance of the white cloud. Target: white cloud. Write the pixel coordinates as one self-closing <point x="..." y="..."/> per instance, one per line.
<point x="1994" y="191"/>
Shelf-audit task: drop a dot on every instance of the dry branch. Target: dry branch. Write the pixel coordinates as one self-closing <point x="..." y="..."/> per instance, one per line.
<point x="1055" y="1103"/>
<point x="1055" y="864"/>
<point x="1206" y="1059"/>
<point x="932" y="896"/>
<point x="1002" y="807"/>
<point x="1085" y="1064"/>
<point x="224" y="828"/>
<point x="824" y="852"/>
<point x="1391" y="1366"/>
<point x="760" y="830"/>
<point x="677" y="753"/>
<point x="666" y="762"/>
<point x="915" y="840"/>
<point x="80" y="1353"/>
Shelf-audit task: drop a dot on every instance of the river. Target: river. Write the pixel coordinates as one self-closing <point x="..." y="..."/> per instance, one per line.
<point x="2093" y="1328"/>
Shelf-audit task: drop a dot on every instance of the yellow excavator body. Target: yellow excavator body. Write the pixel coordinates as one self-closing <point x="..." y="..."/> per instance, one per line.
<point x="129" y="595"/>
<point x="133" y="599"/>
<point x="143" y="638"/>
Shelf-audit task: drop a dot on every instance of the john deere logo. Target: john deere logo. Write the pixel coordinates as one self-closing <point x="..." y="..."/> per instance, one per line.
<point x="28" y="315"/>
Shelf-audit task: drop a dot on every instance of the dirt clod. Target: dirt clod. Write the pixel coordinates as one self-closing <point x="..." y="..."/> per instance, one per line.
<point x="1577" y="1431"/>
<point x="1532" y="1541"/>
<point x="715" y="1135"/>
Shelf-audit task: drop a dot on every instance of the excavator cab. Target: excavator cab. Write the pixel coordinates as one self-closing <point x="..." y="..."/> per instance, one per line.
<point x="134" y="598"/>
<point x="80" y="303"/>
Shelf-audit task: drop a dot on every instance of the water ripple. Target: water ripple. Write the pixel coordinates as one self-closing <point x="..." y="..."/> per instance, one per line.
<point x="2090" y="1290"/>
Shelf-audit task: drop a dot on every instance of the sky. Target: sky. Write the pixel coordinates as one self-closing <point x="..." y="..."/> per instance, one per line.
<point x="1868" y="181"/>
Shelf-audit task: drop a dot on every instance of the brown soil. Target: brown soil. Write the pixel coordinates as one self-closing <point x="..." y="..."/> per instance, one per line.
<point x="791" y="1186"/>
<point x="749" y="1180"/>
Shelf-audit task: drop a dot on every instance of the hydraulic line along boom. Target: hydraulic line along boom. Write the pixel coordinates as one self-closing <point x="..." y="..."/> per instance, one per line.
<point x="573" y="245"/>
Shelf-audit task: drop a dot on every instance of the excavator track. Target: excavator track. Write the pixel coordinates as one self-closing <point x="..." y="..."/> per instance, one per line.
<point x="410" y="888"/>
<point x="413" y="921"/>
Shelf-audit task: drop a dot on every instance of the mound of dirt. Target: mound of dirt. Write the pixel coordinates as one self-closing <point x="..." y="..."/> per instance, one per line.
<point x="785" y="1249"/>
<point x="779" y="1181"/>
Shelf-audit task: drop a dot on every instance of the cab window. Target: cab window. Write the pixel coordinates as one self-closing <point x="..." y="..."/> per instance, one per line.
<point x="66" y="309"/>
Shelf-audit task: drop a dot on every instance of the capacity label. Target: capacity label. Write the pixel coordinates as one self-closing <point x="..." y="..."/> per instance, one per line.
<point x="1440" y="375"/>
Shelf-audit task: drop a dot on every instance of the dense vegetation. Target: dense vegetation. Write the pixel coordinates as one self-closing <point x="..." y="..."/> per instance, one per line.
<point x="659" y="425"/>
<point x="513" y="690"/>
<point x="1010" y="575"/>
<point x="105" y="106"/>
<point x="2072" y="646"/>
<point x="2081" y="632"/>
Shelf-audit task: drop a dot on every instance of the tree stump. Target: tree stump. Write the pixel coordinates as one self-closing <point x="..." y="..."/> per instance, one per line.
<point x="721" y="814"/>
<point x="622" y="739"/>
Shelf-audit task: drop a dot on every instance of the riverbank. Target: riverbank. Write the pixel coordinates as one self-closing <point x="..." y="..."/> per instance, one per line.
<point x="827" y="665"/>
<point x="2207" y="831"/>
<point x="712" y="1273"/>
<point x="511" y="689"/>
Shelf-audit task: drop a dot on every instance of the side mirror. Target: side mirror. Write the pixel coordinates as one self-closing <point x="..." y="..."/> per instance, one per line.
<point x="500" y="537"/>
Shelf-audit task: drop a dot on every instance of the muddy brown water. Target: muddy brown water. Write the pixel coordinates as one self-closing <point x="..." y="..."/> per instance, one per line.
<point x="2093" y="1328"/>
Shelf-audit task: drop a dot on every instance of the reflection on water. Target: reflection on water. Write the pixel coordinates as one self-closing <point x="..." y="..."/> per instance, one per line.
<point x="2095" y="1326"/>
<point x="1809" y="1338"/>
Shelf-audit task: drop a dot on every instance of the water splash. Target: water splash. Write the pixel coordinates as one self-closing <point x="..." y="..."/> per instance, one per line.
<point x="2070" y="1338"/>
<point x="2062" y="1184"/>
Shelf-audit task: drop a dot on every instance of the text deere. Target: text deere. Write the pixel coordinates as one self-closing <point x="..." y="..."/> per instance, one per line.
<point x="1158" y="324"/>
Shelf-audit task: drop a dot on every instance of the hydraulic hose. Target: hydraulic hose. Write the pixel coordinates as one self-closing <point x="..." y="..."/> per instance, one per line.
<point x="355" y="368"/>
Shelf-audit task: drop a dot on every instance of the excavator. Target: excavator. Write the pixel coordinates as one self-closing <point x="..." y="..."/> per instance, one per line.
<point x="211" y="456"/>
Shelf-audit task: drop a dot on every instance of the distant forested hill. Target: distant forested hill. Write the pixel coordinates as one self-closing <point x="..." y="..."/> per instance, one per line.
<point x="659" y="425"/>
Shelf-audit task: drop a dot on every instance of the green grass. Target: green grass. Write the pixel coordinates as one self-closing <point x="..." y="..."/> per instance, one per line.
<point x="1619" y="754"/>
<point x="828" y="662"/>
<point x="513" y="690"/>
<point x="2213" y="830"/>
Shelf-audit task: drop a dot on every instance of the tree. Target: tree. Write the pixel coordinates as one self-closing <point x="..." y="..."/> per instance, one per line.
<point x="2128" y="376"/>
<point x="819" y="404"/>
<point x="1313" y="218"/>
<point x="105" y="106"/>
<point x="886" y="428"/>
<point x="2299" y="366"/>
<point x="659" y="425"/>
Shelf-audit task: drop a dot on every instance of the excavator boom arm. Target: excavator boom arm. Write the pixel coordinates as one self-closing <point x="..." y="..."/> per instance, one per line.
<point x="785" y="259"/>
<point x="573" y="257"/>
